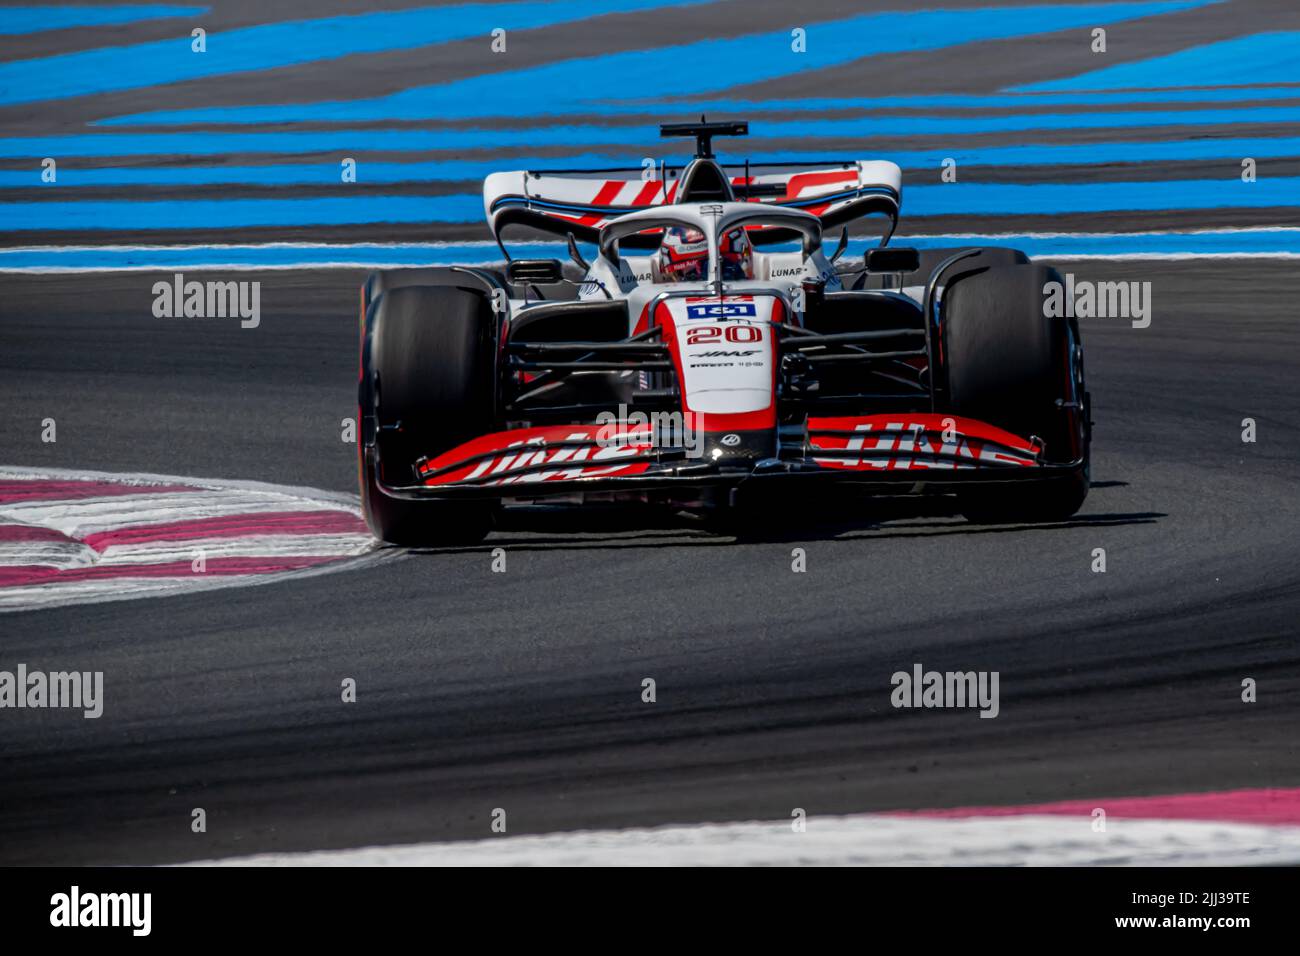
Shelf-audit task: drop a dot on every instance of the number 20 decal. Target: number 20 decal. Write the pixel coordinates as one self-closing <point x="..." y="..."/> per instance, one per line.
<point x="712" y="334"/>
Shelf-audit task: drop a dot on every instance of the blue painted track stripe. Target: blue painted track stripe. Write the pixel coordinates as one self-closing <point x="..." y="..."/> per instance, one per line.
<point x="327" y="173"/>
<point x="1010" y="100"/>
<point x="15" y="21"/>
<point x="349" y="142"/>
<point x="1240" y="61"/>
<point x="695" y="68"/>
<point x="272" y="45"/>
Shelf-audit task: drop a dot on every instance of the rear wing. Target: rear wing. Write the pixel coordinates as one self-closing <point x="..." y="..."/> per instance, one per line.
<point x="581" y="202"/>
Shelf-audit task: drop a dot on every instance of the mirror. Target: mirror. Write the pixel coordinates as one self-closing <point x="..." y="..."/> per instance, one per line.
<point x="535" y="271"/>
<point x="897" y="259"/>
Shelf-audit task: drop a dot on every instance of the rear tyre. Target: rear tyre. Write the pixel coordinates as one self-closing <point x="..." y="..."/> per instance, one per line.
<point x="427" y="385"/>
<point x="1010" y="365"/>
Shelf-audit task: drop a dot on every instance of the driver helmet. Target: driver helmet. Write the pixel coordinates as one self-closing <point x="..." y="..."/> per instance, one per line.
<point x="736" y="255"/>
<point x="684" y="255"/>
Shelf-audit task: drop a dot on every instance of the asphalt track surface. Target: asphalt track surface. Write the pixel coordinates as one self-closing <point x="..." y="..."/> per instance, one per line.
<point x="522" y="690"/>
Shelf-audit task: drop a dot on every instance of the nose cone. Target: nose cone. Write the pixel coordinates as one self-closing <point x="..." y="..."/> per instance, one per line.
<point x="739" y="449"/>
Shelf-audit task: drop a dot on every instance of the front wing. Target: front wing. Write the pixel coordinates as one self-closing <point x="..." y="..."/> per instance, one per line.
<point x="894" y="452"/>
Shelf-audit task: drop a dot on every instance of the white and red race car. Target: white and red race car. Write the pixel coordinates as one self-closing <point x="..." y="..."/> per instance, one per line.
<point x="712" y="348"/>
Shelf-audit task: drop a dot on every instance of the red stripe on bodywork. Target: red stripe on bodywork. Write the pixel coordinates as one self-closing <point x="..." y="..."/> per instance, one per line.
<point x="974" y="443"/>
<point x="647" y="194"/>
<point x="491" y="457"/>
<point x="801" y="181"/>
<point x="605" y="197"/>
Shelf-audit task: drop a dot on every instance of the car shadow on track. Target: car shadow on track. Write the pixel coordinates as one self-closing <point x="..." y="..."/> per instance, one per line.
<point x="638" y="527"/>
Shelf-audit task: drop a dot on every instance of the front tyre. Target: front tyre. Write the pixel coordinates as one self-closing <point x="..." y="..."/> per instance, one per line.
<point x="1013" y="366"/>
<point x="427" y="385"/>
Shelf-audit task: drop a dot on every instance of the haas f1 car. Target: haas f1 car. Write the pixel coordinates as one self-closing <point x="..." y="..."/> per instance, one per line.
<point x="710" y="349"/>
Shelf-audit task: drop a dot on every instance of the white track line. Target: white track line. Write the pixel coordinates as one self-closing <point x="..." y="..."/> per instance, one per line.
<point x="345" y="263"/>
<point x="362" y="266"/>
<point x="858" y="840"/>
<point x="489" y="244"/>
<point x="1161" y="256"/>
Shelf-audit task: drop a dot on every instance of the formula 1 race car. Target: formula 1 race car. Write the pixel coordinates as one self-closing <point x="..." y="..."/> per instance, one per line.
<point x="711" y="348"/>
